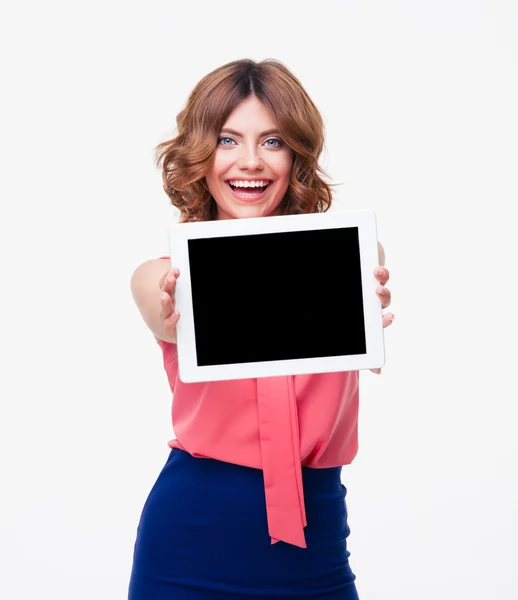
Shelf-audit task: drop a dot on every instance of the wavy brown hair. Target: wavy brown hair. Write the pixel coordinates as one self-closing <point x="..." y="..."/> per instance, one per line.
<point x="186" y="158"/>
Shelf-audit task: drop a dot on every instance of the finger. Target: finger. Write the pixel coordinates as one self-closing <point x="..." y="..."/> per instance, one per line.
<point x="170" y="286"/>
<point x="173" y="317"/>
<point x="170" y="324"/>
<point x="167" y="305"/>
<point x="162" y="279"/>
<point x="384" y="295"/>
<point x="167" y="277"/>
<point x="382" y="274"/>
<point x="388" y="319"/>
<point x="170" y="315"/>
<point x="377" y="371"/>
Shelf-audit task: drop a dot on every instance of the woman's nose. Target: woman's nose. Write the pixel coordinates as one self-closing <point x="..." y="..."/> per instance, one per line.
<point x="250" y="159"/>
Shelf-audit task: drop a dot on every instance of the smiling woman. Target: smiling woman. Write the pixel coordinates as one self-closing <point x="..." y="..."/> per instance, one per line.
<point x="249" y="177"/>
<point x="249" y="503"/>
<point x="246" y="122"/>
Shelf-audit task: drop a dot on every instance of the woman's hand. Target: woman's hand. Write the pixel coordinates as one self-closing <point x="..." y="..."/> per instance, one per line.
<point x="382" y="275"/>
<point x="169" y="313"/>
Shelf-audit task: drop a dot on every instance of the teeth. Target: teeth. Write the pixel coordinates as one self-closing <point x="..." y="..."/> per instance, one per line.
<point x="245" y="184"/>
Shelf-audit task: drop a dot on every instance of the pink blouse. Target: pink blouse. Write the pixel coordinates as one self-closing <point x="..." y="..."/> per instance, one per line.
<point x="276" y="424"/>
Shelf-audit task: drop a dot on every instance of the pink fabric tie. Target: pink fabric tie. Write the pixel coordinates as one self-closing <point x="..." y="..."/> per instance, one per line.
<point x="280" y="452"/>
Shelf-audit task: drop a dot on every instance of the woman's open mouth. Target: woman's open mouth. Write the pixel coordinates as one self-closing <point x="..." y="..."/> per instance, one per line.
<point x="249" y="193"/>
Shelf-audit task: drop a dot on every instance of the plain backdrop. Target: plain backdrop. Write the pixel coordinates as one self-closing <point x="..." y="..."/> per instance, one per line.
<point x="419" y="101"/>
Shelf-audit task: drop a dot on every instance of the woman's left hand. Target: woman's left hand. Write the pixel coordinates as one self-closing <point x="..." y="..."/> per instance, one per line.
<point x="382" y="275"/>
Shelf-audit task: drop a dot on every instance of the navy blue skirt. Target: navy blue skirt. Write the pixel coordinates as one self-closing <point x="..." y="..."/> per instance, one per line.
<point x="203" y="535"/>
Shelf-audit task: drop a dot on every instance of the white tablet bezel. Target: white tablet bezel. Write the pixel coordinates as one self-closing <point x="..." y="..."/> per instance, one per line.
<point x="364" y="220"/>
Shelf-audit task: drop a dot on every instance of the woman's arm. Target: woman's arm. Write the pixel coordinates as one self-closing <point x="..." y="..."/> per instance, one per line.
<point x="145" y="289"/>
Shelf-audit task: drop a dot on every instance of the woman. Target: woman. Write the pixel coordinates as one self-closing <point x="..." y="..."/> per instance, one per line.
<point x="250" y="502"/>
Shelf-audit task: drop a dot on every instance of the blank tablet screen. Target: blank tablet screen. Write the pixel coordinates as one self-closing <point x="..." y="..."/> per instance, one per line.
<point x="275" y="296"/>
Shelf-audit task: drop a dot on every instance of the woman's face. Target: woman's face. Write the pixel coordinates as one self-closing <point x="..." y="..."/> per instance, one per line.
<point x="249" y="149"/>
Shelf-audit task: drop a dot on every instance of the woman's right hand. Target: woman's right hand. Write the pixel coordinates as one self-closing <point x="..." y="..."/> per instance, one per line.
<point x="169" y="313"/>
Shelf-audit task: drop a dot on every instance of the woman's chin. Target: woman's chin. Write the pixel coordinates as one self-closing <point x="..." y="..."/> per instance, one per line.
<point x="248" y="211"/>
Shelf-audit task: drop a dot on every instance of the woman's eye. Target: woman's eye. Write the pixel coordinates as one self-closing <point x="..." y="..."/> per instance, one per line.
<point x="276" y="143"/>
<point x="279" y="143"/>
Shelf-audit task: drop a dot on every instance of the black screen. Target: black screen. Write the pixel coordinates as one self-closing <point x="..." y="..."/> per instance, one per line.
<point x="277" y="296"/>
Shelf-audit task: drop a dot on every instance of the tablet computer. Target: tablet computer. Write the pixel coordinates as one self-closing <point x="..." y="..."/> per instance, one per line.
<point x="279" y="295"/>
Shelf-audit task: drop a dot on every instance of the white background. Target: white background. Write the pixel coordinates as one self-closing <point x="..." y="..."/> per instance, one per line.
<point x="419" y="101"/>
